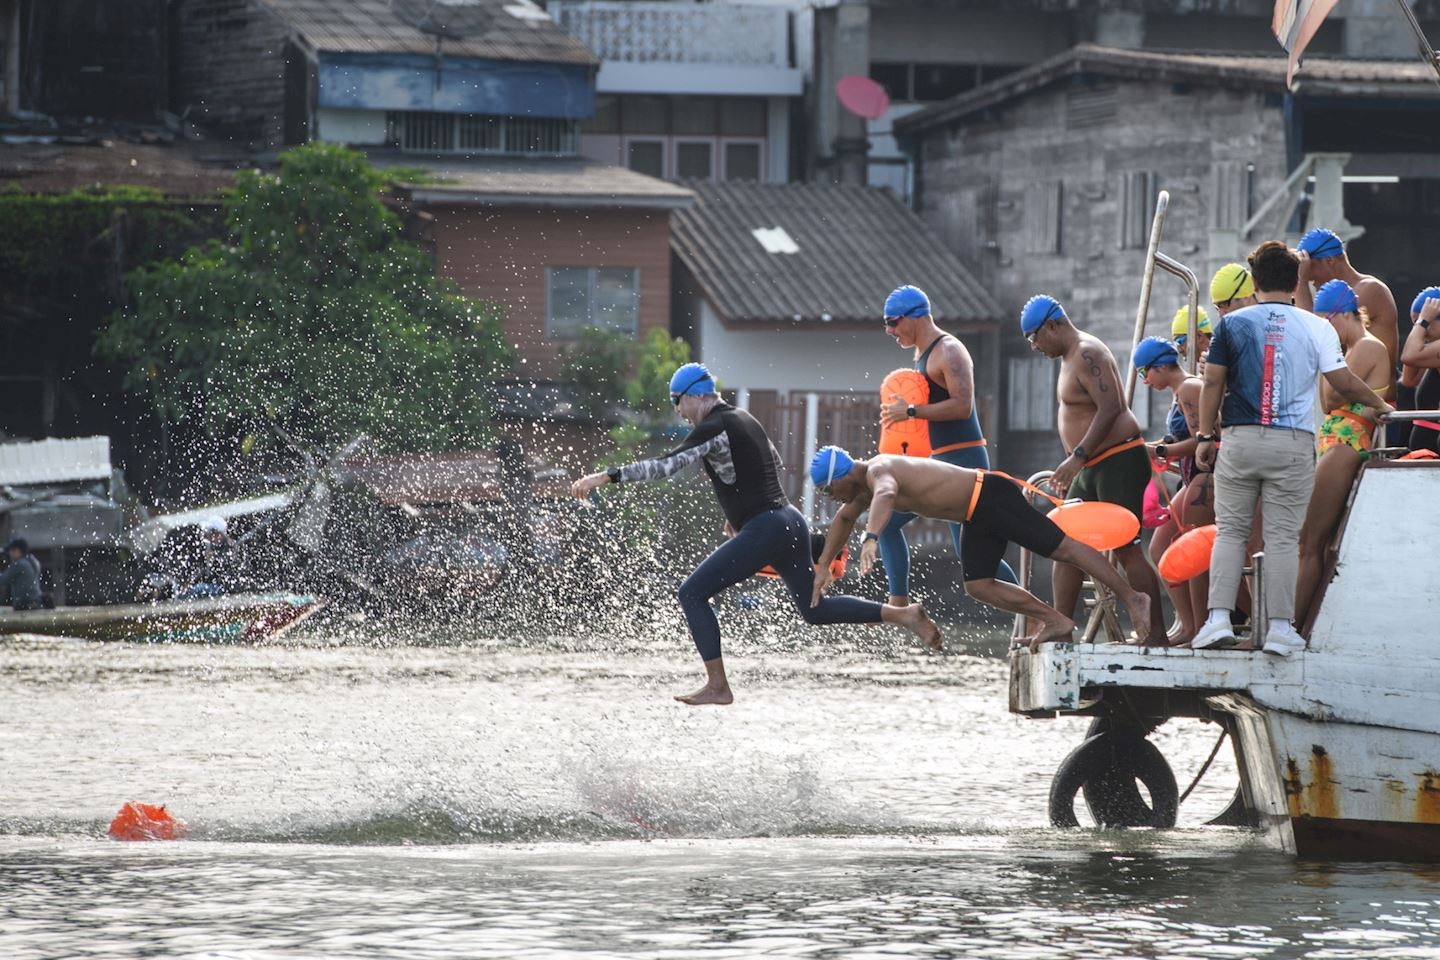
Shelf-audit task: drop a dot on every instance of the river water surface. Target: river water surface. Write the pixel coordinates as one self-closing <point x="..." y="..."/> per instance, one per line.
<point x="491" y="793"/>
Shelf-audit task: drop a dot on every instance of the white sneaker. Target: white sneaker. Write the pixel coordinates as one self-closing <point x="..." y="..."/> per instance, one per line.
<point x="1214" y="635"/>
<point x="1283" y="641"/>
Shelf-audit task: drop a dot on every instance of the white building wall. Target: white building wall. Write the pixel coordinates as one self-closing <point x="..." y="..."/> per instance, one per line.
<point x="809" y="357"/>
<point x="350" y="126"/>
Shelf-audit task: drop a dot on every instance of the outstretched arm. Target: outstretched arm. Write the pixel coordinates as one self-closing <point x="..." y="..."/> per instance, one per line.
<point x="692" y="450"/>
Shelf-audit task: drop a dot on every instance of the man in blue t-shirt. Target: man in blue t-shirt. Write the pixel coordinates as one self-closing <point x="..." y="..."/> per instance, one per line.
<point x="1266" y="361"/>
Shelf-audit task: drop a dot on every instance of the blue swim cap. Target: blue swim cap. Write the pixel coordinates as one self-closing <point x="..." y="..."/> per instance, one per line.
<point x="907" y="301"/>
<point x="829" y="464"/>
<point x="1429" y="293"/>
<point x="1335" y="296"/>
<point x="1037" y="310"/>
<point x="1153" y="351"/>
<point x="692" y="378"/>
<point x="1322" y="243"/>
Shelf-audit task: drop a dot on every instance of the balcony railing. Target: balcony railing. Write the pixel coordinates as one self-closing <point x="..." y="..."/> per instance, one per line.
<point x="713" y="33"/>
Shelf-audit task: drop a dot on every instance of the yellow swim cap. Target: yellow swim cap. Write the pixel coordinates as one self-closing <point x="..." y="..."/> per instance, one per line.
<point x="1180" y="326"/>
<point x="1229" y="282"/>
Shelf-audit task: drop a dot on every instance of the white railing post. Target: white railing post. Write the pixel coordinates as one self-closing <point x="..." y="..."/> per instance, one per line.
<point x="812" y="439"/>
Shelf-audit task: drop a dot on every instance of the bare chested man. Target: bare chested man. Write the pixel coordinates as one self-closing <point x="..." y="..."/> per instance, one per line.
<point x="1108" y="460"/>
<point x="1322" y="259"/>
<point x="991" y="508"/>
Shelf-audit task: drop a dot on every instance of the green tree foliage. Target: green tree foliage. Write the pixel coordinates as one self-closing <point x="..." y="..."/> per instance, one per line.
<point x="648" y="392"/>
<point x="596" y="366"/>
<point x="313" y="311"/>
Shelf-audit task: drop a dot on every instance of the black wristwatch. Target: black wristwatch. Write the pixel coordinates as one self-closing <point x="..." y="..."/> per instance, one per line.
<point x="1206" y="438"/>
<point x="1080" y="454"/>
<point x="614" y="474"/>
<point x="1160" y="450"/>
<point x="910" y="412"/>
<point x="867" y="536"/>
<point x="1424" y="325"/>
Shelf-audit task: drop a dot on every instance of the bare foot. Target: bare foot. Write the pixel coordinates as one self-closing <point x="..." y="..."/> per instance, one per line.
<point x="895" y="601"/>
<point x="918" y="622"/>
<point x="1053" y="632"/>
<point x="1181" y="639"/>
<point x="707" y="694"/>
<point x="1139" y="606"/>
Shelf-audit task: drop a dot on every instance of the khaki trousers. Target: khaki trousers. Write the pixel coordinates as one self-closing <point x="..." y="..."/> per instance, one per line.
<point x="1274" y="466"/>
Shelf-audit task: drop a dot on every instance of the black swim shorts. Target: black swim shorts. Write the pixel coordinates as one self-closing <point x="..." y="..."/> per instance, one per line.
<point x="1003" y="516"/>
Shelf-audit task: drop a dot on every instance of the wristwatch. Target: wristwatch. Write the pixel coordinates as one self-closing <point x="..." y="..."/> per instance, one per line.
<point x="910" y="412"/>
<point x="1080" y="454"/>
<point x="614" y="474"/>
<point x="1206" y="438"/>
<point x="1160" y="450"/>
<point x="1424" y="325"/>
<point x="867" y="536"/>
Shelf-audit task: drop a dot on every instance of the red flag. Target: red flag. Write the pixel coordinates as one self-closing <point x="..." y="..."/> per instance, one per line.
<point x="1295" y="24"/>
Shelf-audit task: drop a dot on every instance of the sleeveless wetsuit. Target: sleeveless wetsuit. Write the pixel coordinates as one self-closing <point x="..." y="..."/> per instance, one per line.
<point x="1425" y="434"/>
<point x="957" y="442"/>
<point x="1177" y="427"/>
<point x="744" y="470"/>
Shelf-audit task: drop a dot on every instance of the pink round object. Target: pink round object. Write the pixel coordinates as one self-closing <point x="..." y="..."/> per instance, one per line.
<point x="862" y="96"/>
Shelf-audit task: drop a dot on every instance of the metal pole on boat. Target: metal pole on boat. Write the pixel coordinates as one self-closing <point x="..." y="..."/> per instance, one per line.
<point x="1192" y="287"/>
<point x="1427" y="52"/>
<point x="1162" y="203"/>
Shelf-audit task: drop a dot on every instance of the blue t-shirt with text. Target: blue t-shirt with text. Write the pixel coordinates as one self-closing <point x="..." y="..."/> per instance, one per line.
<point x="1274" y="354"/>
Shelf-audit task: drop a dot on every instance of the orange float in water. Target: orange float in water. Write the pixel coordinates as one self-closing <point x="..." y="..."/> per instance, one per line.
<point x="1189" y="555"/>
<point x="910" y="438"/>
<point x="1103" y="526"/>
<point x="145" y="821"/>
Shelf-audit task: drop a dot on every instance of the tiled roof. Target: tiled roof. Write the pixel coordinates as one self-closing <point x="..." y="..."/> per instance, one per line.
<point x="535" y="181"/>
<point x="851" y="246"/>
<point x="1317" y="76"/>
<point x="516" y="29"/>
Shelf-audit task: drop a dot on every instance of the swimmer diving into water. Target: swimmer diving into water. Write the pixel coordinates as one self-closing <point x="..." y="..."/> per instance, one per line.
<point x="763" y="527"/>
<point x="991" y="508"/>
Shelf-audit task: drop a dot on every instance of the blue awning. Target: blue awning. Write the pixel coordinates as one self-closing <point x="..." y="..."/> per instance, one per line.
<point x="364" y="81"/>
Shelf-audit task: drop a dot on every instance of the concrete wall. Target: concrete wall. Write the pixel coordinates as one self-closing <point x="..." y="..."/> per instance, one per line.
<point x="500" y="254"/>
<point x="983" y="188"/>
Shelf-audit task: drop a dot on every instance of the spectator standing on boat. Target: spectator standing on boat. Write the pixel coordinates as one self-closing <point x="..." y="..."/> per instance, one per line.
<point x="1107" y="458"/>
<point x="20" y="581"/>
<point x="1264" y="363"/>
<point x="763" y="528"/>
<point x="951" y="419"/>
<point x="218" y="571"/>
<point x="1421" y="356"/>
<point x="1345" y="435"/>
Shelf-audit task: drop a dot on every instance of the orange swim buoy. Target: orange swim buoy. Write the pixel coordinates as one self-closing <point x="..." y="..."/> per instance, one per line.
<point x="837" y="567"/>
<point x="910" y="438"/>
<point x="1100" y="525"/>
<point x="145" y="821"/>
<point x="1189" y="555"/>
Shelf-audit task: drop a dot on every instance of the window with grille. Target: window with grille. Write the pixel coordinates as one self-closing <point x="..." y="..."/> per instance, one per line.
<point x="579" y="297"/>
<point x="424" y="131"/>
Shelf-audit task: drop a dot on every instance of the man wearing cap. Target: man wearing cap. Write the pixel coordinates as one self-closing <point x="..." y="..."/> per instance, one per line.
<point x="951" y="419"/>
<point x="1107" y="456"/>
<point x="20" y="581"/>
<point x="1265" y="362"/>
<point x="764" y="529"/>
<point x="1322" y="259"/>
<point x="991" y="507"/>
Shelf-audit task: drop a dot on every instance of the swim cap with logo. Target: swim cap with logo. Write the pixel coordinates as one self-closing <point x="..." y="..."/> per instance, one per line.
<point x="692" y="378"/>
<point x="1322" y="243"/>
<point x="907" y="301"/>
<point x="1335" y="296"/>
<point x="1230" y="282"/>
<point x="1037" y="310"/>
<point x="829" y="464"/>
<point x="1180" y="326"/>
<point x="1153" y="351"/>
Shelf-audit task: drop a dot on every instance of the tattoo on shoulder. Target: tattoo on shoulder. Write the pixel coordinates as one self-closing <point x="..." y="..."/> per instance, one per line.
<point x="1093" y="363"/>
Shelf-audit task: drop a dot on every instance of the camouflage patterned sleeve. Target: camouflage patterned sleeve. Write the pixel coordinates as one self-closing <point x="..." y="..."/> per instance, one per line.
<point x="676" y="460"/>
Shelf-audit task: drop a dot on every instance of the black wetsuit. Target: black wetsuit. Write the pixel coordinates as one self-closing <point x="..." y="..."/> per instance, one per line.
<point x="1427" y="397"/>
<point x="744" y="469"/>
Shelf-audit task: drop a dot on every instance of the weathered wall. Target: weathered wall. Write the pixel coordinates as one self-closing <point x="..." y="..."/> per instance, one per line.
<point x="1034" y="197"/>
<point x="500" y="254"/>
<point x="230" y="69"/>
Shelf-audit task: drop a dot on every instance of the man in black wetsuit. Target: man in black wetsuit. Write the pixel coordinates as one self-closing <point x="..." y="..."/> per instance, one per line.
<point x="764" y="528"/>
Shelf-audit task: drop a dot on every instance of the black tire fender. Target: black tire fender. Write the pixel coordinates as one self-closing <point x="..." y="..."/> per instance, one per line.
<point x="1106" y="767"/>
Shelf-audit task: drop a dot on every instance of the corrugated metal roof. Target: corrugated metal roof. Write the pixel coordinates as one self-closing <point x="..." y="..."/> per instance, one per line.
<point x="536" y="181"/>
<point x="55" y="461"/>
<point x="853" y="245"/>
<point x="518" y="30"/>
<point x="1317" y="77"/>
